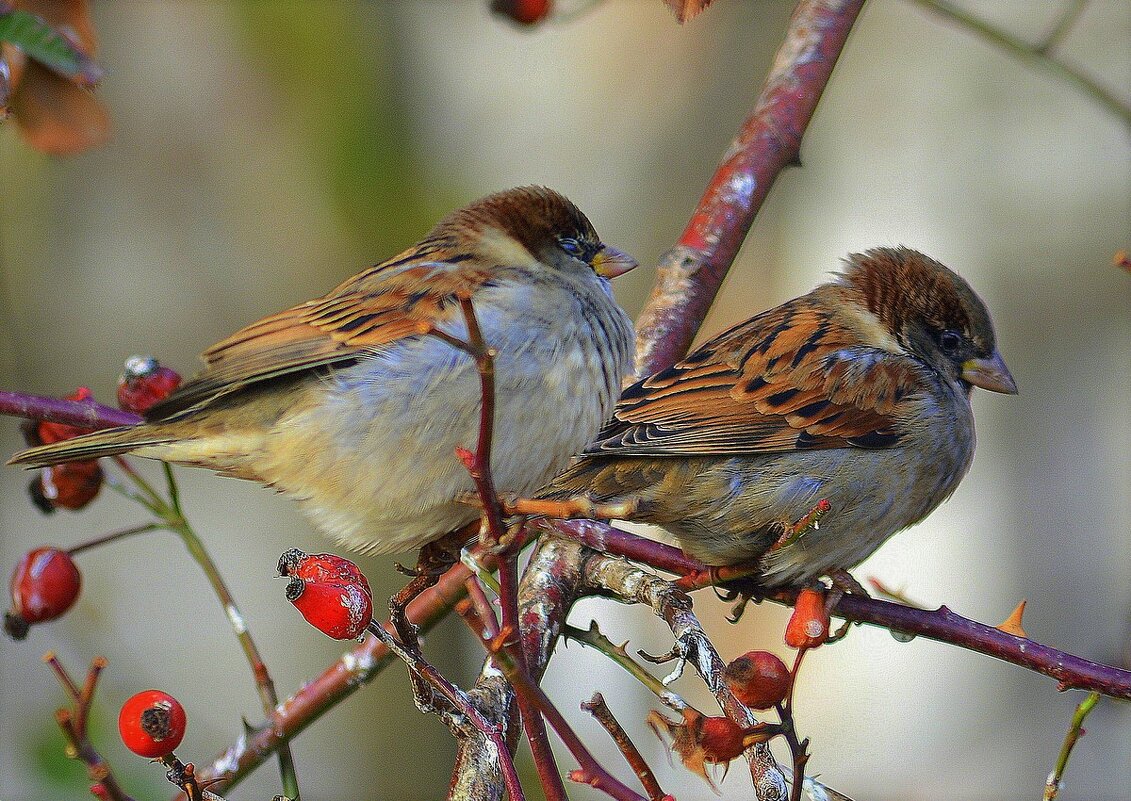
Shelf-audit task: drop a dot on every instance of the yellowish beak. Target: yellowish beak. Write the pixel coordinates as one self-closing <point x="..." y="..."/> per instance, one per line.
<point x="610" y="262"/>
<point x="989" y="373"/>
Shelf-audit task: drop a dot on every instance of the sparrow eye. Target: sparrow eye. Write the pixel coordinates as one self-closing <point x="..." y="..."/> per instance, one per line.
<point x="571" y="246"/>
<point x="950" y="341"/>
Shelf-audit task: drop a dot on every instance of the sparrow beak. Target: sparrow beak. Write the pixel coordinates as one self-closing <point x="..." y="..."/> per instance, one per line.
<point x="989" y="373"/>
<point x="610" y="262"/>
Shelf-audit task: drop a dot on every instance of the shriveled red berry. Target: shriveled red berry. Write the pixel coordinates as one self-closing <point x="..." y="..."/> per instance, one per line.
<point x="49" y="432"/>
<point x="758" y="679"/>
<point x="145" y="382"/>
<point x="339" y="609"/>
<point x="524" y="12"/>
<point x="721" y="739"/>
<point x="68" y="486"/>
<point x="324" y="567"/>
<point x="44" y="585"/>
<point x="808" y="626"/>
<point x="152" y="723"/>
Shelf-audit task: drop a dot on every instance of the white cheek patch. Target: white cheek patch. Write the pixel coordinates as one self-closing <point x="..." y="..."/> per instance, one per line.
<point x="505" y="248"/>
<point x="874" y="332"/>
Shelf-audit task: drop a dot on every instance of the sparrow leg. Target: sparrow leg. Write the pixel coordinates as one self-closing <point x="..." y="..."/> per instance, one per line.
<point x="842" y="584"/>
<point x="434" y="559"/>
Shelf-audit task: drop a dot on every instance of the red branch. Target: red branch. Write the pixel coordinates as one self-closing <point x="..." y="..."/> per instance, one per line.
<point x="86" y="414"/>
<point x="1072" y="672"/>
<point x="690" y="273"/>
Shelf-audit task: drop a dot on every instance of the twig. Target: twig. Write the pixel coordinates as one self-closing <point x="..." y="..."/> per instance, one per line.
<point x="597" y="707"/>
<point x="478" y="465"/>
<point x="352" y="671"/>
<point x="590" y="771"/>
<point x="629" y="583"/>
<point x="72" y="722"/>
<point x="1063" y="26"/>
<point x="459" y="702"/>
<point x="114" y="535"/>
<point x="619" y="654"/>
<point x="691" y="272"/>
<point x="1037" y="56"/>
<point x="1075" y="732"/>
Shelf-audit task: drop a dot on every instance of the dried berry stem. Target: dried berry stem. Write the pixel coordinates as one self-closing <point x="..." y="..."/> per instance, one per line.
<point x="72" y="722"/>
<point x="112" y="536"/>
<point x="597" y="707"/>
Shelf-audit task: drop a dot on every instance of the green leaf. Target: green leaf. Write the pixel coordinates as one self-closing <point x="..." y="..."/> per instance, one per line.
<point x="47" y="46"/>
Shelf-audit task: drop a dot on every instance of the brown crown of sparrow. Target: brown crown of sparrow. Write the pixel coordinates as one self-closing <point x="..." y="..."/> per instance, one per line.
<point x="345" y="405"/>
<point x="857" y="393"/>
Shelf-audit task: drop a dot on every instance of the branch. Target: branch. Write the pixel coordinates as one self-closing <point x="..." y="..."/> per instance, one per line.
<point x="943" y="625"/>
<point x="690" y="274"/>
<point x="630" y="584"/>
<point x="86" y="414"/>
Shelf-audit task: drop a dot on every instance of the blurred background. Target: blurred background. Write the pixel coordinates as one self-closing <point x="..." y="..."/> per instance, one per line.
<point x="262" y="152"/>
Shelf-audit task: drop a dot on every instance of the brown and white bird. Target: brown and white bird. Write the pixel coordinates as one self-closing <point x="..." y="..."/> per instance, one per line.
<point x="857" y="393"/>
<point x="345" y="405"/>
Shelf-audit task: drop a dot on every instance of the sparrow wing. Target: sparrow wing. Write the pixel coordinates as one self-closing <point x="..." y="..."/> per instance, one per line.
<point x="386" y="303"/>
<point x="791" y="378"/>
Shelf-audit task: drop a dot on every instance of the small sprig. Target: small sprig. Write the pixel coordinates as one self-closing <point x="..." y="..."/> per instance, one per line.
<point x="72" y="721"/>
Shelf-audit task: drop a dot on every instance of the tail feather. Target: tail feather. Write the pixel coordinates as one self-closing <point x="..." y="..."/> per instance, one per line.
<point x="109" y="442"/>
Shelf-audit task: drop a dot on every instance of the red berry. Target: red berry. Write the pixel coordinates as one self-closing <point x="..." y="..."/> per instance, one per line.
<point x="721" y="739"/>
<point x="808" y="626"/>
<point x="71" y="485"/>
<point x="48" y="432"/>
<point x="152" y="723"/>
<point x="524" y="12"/>
<point x="144" y="383"/>
<point x="44" y="585"/>
<point x="325" y="567"/>
<point x="339" y="609"/>
<point x="758" y="679"/>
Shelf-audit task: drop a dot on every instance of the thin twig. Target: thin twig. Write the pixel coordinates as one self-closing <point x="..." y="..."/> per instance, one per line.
<point x="597" y="707"/>
<point x="459" y="701"/>
<point x="112" y="536"/>
<point x="1063" y="26"/>
<point x="1037" y="56"/>
<point x="72" y="722"/>
<point x="478" y="465"/>
<point x="1075" y="732"/>
<point x="590" y="771"/>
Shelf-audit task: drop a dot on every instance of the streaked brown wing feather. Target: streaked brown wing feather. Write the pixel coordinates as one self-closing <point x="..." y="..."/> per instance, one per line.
<point x="365" y="313"/>
<point x="791" y="378"/>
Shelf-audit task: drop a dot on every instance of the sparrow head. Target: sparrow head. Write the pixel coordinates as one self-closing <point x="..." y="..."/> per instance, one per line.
<point x="531" y="224"/>
<point x="933" y="314"/>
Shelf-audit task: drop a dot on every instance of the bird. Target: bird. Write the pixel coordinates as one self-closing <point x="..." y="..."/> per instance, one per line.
<point x="853" y="398"/>
<point x="347" y="404"/>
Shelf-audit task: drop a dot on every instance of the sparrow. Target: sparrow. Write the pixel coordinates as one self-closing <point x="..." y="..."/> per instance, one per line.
<point x="348" y="405"/>
<point x="857" y="394"/>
